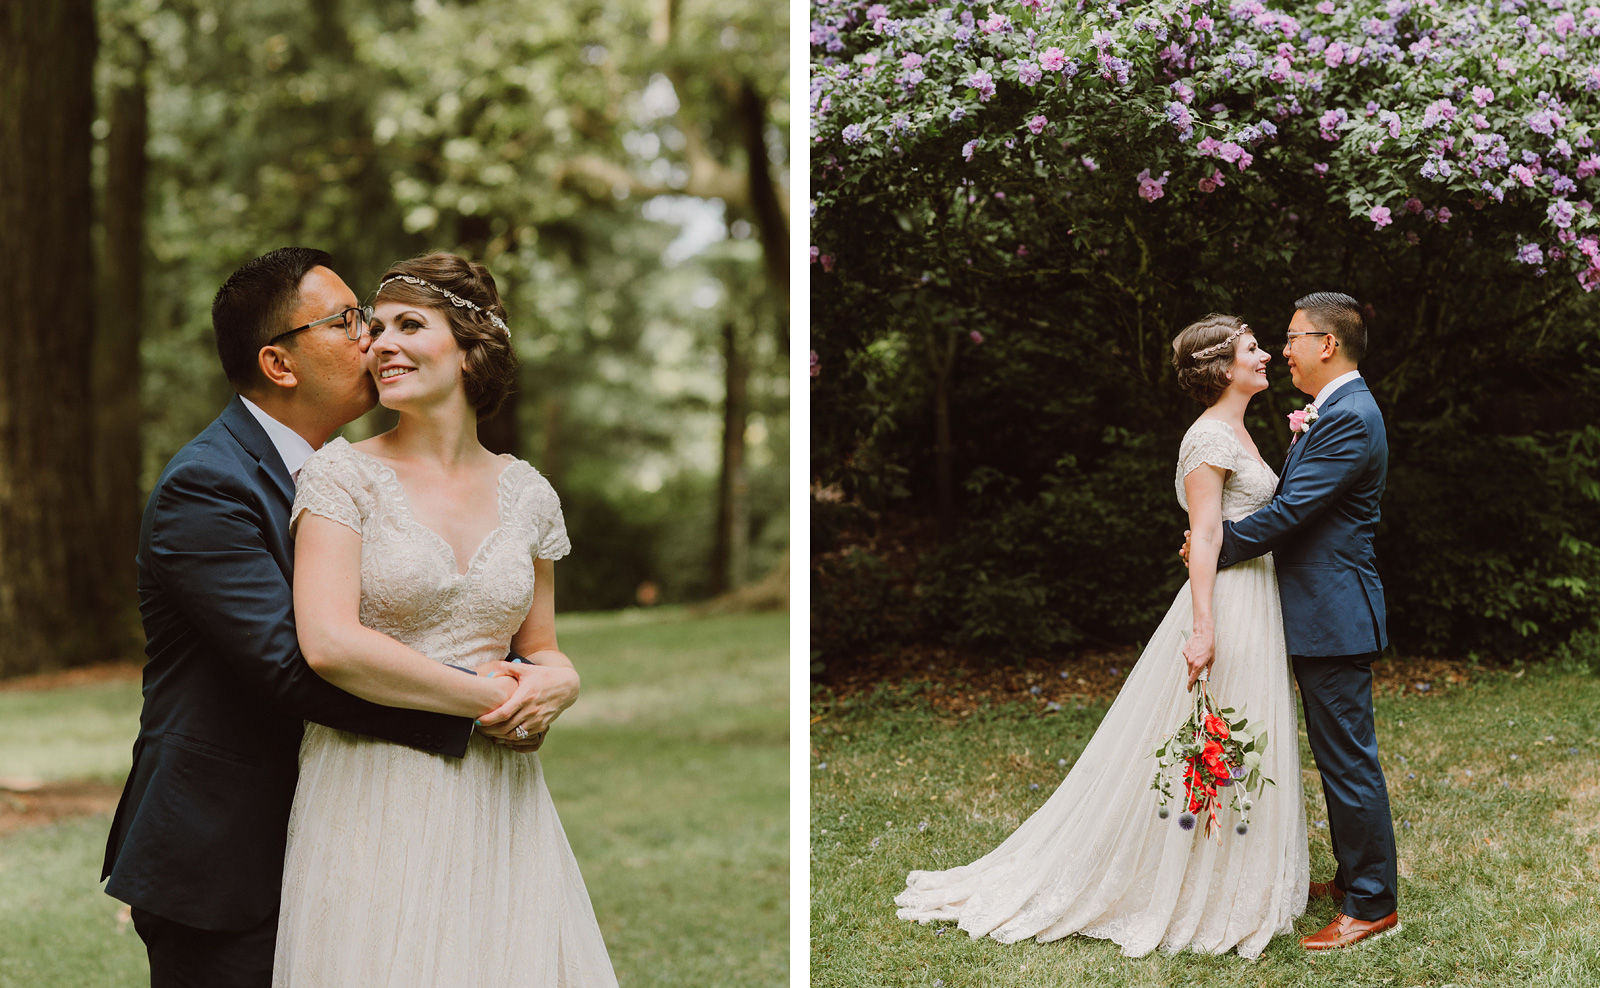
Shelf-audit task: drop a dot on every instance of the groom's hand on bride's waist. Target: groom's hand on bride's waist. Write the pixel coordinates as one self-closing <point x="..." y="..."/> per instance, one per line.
<point x="1184" y="552"/>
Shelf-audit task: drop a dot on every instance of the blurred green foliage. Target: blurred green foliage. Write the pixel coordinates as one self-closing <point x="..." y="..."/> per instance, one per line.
<point x="1065" y="419"/>
<point x="377" y="131"/>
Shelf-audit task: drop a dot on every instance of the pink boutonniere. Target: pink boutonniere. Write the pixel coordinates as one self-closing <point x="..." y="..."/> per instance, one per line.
<point x="1301" y="421"/>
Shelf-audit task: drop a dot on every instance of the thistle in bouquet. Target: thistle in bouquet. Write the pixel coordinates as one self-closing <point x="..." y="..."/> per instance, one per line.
<point x="1218" y="749"/>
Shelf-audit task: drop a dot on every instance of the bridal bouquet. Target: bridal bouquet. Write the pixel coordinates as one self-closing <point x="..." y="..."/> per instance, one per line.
<point x="1216" y="753"/>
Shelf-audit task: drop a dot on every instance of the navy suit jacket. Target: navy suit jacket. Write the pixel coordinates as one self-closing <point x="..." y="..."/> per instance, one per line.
<point x="1319" y="527"/>
<point x="200" y="832"/>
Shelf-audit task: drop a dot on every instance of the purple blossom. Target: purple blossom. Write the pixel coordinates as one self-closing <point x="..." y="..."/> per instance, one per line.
<point x="1179" y="115"/>
<point x="1213" y="183"/>
<point x="1546" y="121"/>
<point x="1439" y="111"/>
<point x="1321" y="168"/>
<point x="1530" y="254"/>
<point x="969" y="148"/>
<point x="1413" y="205"/>
<point x="983" y="82"/>
<point x="1235" y="155"/>
<point x="1090" y="164"/>
<point x="1028" y="73"/>
<point x="1183" y="92"/>
<point x="1150" y="189"/>
<point x="1053" y="60"/>
<point x="1329" y="121"/>
<point x="854" y="134"/>
<point x="1379" y="217"/>
<point x="996" y="22"/>
<point x="1523" y="174"/>
<point x="1482" y="95"/>
<point x="1443" y="214"/>
<point x="1560" y="213"/>
<point x="975" y="336"/>
<point x="1391" y="120"/>
<point x="1037" y="124"/>
<point x="912" y="60"/>
<point x="957" y="113"/>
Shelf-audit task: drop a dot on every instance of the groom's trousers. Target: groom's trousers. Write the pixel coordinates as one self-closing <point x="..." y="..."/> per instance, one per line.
<point x="184" y="957"/>
<point x="1337" y="694"/>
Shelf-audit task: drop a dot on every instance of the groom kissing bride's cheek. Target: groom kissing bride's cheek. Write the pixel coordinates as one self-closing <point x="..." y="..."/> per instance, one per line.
<point x="352" y="658"/>
<point x="1282" y="578"/>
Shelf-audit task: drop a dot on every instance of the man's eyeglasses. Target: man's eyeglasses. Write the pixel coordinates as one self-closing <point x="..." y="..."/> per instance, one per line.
<point x="354" y="319"/>
<point x="1291" y="336"/>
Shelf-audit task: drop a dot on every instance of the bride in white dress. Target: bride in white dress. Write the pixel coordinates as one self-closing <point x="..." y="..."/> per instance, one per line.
<point x="414" y="549"/>
<point x="1096" y="859"/>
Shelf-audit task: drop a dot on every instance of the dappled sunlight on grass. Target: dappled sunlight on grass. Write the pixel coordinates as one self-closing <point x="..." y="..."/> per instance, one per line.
<point x="677" y="809"/>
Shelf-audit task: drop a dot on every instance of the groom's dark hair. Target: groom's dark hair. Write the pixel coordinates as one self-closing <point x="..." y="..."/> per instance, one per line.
<point x="255" y="304"/>
<point x="1339" y="314"/>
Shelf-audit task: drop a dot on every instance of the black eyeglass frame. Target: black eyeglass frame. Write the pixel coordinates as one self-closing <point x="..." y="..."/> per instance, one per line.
<point x="363" y="318"/>
<point x="1290" y="336"/>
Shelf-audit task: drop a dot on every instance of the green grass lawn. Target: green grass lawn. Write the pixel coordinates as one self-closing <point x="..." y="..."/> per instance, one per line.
<point x="1495" y="790"/>
<point x="670" y="774"/>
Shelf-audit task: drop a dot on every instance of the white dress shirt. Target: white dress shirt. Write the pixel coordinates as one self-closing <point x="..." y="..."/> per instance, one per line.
<point x="1322" y="396"/>
<point x="291" y="446"/>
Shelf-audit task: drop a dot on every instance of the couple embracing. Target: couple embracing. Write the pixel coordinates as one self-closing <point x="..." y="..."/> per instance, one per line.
<point x="1282" y="582"/>
<point x="352" y="659"/>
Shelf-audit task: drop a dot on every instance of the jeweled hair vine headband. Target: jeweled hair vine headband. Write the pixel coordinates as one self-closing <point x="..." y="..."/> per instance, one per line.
<point x="1218" y="349"/>
<point x="455" y="299"/>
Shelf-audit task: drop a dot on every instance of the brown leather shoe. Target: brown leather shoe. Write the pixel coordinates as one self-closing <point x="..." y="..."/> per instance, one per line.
<point x="1345" y="931"/>
<point x="1326" y="890"/>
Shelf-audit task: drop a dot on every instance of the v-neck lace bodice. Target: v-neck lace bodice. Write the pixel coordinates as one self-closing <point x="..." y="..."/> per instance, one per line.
<point x="411" y="588"/>
<point x="1250" y="482"/>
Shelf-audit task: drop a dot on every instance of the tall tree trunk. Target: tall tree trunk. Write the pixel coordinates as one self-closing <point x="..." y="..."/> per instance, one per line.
<point x="765" y="200"/>
<point x="48" y="552"/>
<point x="116" y="366"/>
<point x="730" y="553"/>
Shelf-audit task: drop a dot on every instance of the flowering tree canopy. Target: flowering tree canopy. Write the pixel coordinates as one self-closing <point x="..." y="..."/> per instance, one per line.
<point x="1016" y="205"/>
<point x="1407" y="113"/>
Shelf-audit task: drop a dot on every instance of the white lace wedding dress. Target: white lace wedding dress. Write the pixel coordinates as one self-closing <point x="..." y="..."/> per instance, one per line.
<point x="1095" y="859"/>
<point x="412" y="870"/>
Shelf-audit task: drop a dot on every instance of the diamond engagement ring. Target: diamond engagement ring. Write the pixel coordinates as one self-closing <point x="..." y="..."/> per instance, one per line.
<point x="520" y="733"/>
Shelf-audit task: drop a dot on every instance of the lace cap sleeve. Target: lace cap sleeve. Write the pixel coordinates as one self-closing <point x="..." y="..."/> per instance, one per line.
<point x="331" y="486"/>
<point x="543" y="509"/>
<point x="1206" y="442"/>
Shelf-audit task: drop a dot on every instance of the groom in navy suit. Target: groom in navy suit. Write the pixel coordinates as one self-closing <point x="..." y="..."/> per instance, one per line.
<point x="1319" y="527"/>
<point x="197" y="843"/>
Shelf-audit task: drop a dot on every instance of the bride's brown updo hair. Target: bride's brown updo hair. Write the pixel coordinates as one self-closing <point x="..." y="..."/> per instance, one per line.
<point x="1205" y="379"/>
<point x="490" y="368"/>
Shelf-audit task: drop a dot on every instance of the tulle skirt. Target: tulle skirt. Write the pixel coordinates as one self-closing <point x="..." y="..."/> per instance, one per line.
<point x="1095" y="859"/>
<point x="412" y="870"/>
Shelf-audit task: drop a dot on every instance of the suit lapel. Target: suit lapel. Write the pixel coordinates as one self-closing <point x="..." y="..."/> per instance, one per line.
<point x="1344" y="391"/>
<point x="238" y="420"/>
